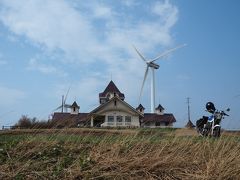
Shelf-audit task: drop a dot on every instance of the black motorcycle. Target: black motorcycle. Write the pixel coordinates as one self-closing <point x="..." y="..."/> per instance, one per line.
<point x="210" y="126"/>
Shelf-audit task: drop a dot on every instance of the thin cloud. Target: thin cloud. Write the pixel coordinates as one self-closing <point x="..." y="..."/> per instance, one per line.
<point x="10" y="96"/>
<point x="129" y="3"/>
<point x="183" y="77"/>
<point x="101" y="11"/>
<point x="46" y="25"/>
<point x="92" y="36"/>
<point x="35" y="65"/>
<point x="2" y="61"/>
<point x="167" y="12"/>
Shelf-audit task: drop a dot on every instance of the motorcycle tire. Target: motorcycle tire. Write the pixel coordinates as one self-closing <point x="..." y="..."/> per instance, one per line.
<point x="216" y="132"/>
<point x="205" y="132"/>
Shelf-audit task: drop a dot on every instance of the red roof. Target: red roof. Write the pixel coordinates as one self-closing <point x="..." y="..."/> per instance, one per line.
<point x="112" y="88"/>
<point x="80" y="117"/>
<point x="152" y="117"/>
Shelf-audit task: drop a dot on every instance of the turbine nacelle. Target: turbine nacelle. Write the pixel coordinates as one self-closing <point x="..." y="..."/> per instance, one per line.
<point x="153" y="65"/>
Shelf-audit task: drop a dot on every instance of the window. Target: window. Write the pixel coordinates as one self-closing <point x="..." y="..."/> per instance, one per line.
<point x="102" y="101"/>
<point x="110" y="120"/>
<point x="110" y="95"/>
<point x="128" y="120"/>
<point x="119" y="120"/>
<point x="157" y="124"/>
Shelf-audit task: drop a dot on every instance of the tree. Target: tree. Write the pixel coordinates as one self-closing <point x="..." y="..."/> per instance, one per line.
<point x="24" y="122"/>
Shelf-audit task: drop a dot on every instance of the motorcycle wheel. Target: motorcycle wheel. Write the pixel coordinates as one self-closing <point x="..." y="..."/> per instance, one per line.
<point x="216" y="132"/>
<point x="205" y="132"/>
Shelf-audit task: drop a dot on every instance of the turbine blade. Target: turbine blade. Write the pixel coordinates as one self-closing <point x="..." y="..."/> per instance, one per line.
<point x="144" y="79"/>
<point x="67" y="106"/>
<point x="58" y="108"/>
<point x="168" y="52"/>
<point x="141" y="56"/>
<point x="66" y="95"/>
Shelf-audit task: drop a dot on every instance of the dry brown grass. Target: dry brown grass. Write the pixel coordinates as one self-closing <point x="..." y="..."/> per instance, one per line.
<point x="119" y="154"/>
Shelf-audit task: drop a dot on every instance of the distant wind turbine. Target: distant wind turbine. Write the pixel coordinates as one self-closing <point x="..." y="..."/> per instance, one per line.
<point x="64" y="106"/>
<point x="151" y="64"/>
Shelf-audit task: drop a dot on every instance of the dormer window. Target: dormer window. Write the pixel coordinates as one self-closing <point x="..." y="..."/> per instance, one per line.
<point x="102" y="101"/>
<point x="140" y="108"/>
<point x="110" y="96"/>
<point x="159" y="110"/>
<point x="75" y="108"/>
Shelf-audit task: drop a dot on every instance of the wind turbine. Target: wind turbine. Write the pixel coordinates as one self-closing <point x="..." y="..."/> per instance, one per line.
<point x="64" y="106"/>
<point x="153" y="66"/>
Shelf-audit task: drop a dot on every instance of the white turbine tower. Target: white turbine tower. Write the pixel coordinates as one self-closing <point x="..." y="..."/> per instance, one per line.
<point x="151" y="64"/>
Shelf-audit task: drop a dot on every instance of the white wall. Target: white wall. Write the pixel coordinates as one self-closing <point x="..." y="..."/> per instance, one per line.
<point x="76" y="111"/>
<point x="118" y="108"/>
<point x="134" y="119"/>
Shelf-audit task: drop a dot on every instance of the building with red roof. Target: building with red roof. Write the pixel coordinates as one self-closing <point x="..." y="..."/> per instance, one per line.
<point x="113" y="111"/>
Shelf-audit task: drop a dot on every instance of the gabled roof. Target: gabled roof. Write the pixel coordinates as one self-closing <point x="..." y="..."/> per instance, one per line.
<point x="153" y="117"/>
<point x="68" y="119"/>
<point x="159" y="107"/>
<point x="140" y="106"/>
<point x="113" y="99"/>
<point x="58" y="116"/>
<point x="111" y="88"/>
<point x="75" y="104"/>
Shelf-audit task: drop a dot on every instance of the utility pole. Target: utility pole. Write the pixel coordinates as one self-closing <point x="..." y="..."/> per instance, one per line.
<point x="62" y="102"/>
<point x="189" y="124"/>
<point x="188" y="102"/>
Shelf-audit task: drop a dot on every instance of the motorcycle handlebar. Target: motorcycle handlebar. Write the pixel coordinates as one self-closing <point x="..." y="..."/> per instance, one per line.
<point x="222" y="112"/>
<point x="225" y="114"/>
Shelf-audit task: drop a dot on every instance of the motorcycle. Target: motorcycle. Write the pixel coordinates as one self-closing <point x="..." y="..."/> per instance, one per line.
<point x="210" y="126"/>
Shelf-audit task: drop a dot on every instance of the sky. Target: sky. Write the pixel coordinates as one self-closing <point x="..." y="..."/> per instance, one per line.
<point x="47" y="47"/>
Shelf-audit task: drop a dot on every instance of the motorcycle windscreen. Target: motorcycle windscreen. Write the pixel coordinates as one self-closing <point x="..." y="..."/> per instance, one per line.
<point x="210" y="118"/>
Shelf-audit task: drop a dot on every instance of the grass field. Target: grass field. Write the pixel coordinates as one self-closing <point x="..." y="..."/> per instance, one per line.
<point x="117" y="154"/>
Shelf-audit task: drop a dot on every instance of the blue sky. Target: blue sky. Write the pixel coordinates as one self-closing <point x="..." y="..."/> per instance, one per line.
<point x="48" y="46"/>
